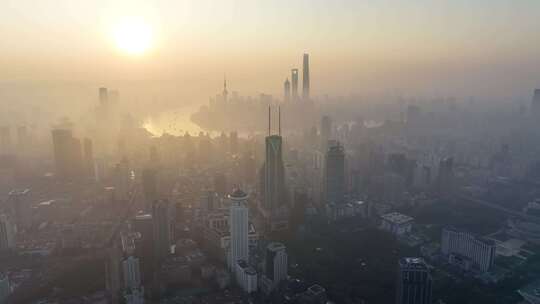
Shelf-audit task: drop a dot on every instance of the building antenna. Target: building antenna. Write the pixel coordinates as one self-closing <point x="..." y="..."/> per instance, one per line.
<point x="279" y="120"/>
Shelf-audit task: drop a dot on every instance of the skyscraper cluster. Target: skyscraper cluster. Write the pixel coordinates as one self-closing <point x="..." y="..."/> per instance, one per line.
<point x="293" y="84"/>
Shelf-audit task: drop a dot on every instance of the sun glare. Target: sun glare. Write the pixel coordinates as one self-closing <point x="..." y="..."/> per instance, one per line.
<point x="133" y="36"/>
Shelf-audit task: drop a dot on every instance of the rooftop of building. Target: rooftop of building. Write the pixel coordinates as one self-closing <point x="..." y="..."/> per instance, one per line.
<point x="276" y="246"/>
<point x="316" y="289"/>
<point x="238" y="194"/>
<point x="246" y="267"/>
<point x="413" y="262"/>
<point x="397" y="218"/>
<point x="531" y="290"/>
<point x="480" y="238"/>
<point x="146" y="216"/>
<point x="19" y="191"/>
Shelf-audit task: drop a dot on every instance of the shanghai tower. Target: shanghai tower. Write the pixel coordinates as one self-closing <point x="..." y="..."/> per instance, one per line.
<point x="305" y="79"/>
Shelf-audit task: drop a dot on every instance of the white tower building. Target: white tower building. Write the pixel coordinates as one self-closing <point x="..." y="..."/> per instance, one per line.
<point x="239" y="225"/>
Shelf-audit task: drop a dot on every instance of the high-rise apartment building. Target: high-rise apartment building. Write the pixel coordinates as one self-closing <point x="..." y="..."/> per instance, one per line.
<point x="239" y="226"/>
<point x="276" y="263"/>
<point x="414" y="284"/>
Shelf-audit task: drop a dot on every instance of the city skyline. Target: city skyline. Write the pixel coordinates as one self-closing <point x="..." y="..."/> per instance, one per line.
<point x="474" y="47"/>
<point x="144" y="157"/>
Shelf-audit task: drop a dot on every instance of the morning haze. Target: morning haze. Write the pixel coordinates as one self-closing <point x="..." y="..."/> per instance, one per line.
<point x="270" y="151"/>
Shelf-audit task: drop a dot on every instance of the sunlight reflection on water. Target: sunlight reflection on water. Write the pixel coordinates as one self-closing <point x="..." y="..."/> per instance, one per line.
<point x="174" y="122"/>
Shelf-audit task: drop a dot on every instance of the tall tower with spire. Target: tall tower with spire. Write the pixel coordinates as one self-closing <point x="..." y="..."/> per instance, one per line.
<point x="273" y="173"/>
<point x="286" y="90"/>
<point x="294" y="82"/>
<point x="225" y="93"/>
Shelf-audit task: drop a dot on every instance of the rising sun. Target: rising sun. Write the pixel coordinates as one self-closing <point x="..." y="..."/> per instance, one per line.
<point x="133" y="36"/>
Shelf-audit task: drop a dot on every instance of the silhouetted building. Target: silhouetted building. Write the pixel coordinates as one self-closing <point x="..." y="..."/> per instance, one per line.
<point x="220" y="183"/>
<point x="326" y="133"/>
<point x="163" y="228"/>
<point x="20" y="209"/>
<point x="5" y="140"/>
<point x="150" y="188"/>
<point x="103" y="96"/>
<point x="67" y="154"/>
<point x="113" y="273"/>
<point x="445" y="179"/>
<point x="287" y="90"/>
<point x="23" y="139"/>
<point x="305" y="79"/>
<point x="225" y="92"/>
<point x="334" y="175"/>
<point x="144" y="246"/>
<point x="89" y="158"/>
<point x="154" y="157"/>
<point x="274" y="174"/>
<point x="233" y="142"/>
<point x="7" y="233"/>
<point x="535" y="105"/>
<point x="121" y="179"/>
<point x="414" y="284"/>
<point x="294" y="84"/>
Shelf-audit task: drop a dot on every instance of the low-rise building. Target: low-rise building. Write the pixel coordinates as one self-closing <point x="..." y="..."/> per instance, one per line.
<point x="458" y="245"/>
<point x="396" y="223"/>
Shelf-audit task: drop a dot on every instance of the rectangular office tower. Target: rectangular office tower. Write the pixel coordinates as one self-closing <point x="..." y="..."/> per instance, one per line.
<point x="305" y="79"/>
<point x="414" y="285"/>
<point x="274" y="173"/>
<point x="334" y="174"/>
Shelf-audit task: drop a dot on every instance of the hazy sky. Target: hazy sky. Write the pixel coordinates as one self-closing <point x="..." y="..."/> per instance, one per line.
<point x="454" y="47"/>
